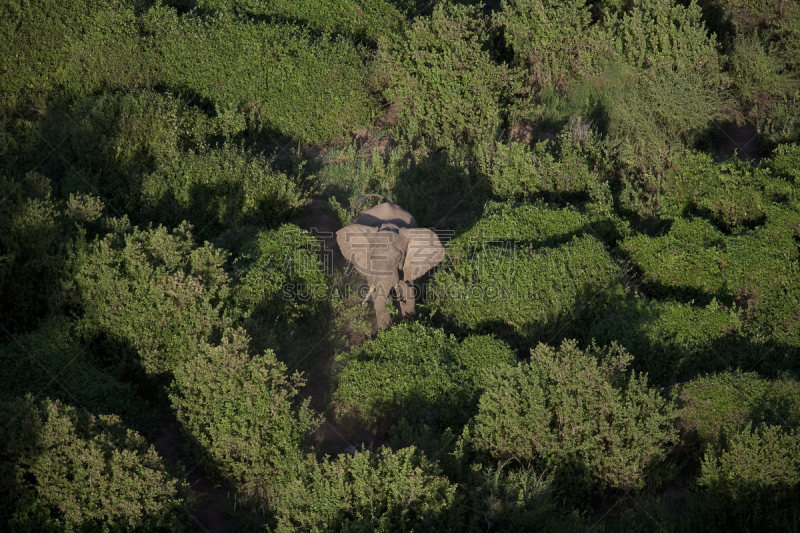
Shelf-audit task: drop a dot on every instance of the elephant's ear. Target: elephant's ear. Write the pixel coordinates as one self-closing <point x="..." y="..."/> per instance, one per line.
<point x="423" y="252"/>
<point x="354" y="242"/>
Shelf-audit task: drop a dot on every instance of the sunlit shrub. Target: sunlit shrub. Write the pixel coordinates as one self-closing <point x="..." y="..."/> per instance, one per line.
<point x="371" y="491"/>
<point x="440" y="81"/>
<point x="418" y="373"/>
<point x="238" y="411"/>
<point x="65" y="470"/>
<point x="526" y="273"/>
<point x="715" y="409"/>
<point x="579" y="413"/>
<point x="312" y="90"/>
<point x="152" y="295"/>
<point x="77" y="46"/>
<point x="757" y="269"/>
<point x="364" y="19"/>
<point x="553" y="43"/>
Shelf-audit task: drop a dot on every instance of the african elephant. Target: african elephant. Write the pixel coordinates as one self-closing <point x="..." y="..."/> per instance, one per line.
<point x="386" y="246"/>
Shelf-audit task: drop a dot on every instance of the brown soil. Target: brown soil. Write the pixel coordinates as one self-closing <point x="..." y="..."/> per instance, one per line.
<point x="210" y="511"/>
<point x="740" y="139"/>
<point x="333" y="437"/>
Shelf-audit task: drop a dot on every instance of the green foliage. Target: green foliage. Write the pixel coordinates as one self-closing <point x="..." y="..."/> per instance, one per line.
<point x="65" y="470"/>
<point x="342" y="215"/>
<point x="519" y="173"/>
<point x="733" y="195"/>
<point x="755" y="483"/>
<point x="364" y="19"/>
<point x="579" y="413"/>
<point x="415" y="372"/>
<point x="154" y="296"/>
<point x="237" y="410"/>
<point x="757" y="269"/>
<point x="161" y="160"/>
<point x="51" y="363"/>
<point x="439" y="81"/>
<point x="528" y="273"/>
<point x="553" y="43"/>
<point x="312" y="90"/>
<point x="369" y="491"/>
<point x="673" y="341"/>
<point x="715" y="409"/>
<point x="34" y="228"/>
<point x="516" y="499"/>
<point x="76" y="46"/>
<point x="281" y="291"/>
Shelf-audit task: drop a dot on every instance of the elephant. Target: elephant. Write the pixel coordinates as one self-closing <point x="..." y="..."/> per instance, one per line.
<point x="386" y="245"/>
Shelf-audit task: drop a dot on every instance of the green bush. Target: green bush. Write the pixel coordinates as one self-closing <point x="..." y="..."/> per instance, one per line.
<point x="527" y="273"/>
<point x="65" y="470"/>
<point x="757" y="269"/>
<point x="34" y="228"/>
<point x="519" y="173"/>
<point x="417" y="373"/>
<point x="152" y="296"/>
<point x="77" y="46"/>
<point x="716" y="408"/>
<point x="281" y="291"/>
<point x="161" y="160"/>
<point x="755" y="483"/>
<point x="51" y="363"/>
<point x="553" y="43"/>
<point x="237" y="410"/>
<point x="578" y="413"/>
<point x="218" y="189"/>
<point x="312" y="90"/>
<point x="441" y="85"/>
<point x="371" y="491"/>
<point x="363" y="19"/>
<point x="733" y="195"/>
<point x="674" y="341"/>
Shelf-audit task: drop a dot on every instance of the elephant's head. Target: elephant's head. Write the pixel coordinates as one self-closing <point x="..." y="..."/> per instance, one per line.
<point x="391" y="251"/>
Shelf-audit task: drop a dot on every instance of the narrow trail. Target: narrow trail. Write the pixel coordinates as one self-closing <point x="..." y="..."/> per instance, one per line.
<point x="209" y="514"/>
<point x="332" y="438"/>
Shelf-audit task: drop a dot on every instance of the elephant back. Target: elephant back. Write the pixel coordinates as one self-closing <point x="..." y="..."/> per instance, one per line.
<point x="387" y="213"/>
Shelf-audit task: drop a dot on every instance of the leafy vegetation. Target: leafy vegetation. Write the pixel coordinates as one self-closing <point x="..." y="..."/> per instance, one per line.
<point x="610" y="344"/>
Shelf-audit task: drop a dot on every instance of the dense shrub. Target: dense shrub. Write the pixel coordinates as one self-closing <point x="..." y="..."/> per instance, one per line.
<point x="755" y="483"/>
<point x="733" y="195"/>
<point x="77" y="46"/>
<point x="758" y="269"/>
<point x="716" y="408"/>
<point x="34" y="228"/>
<point x="579" y="413"/>
<point x="553" y="43"/>
<point x="364" y="19"/>
<point x="528" y="273"/>
<point x="65" y="470"/>
<point x="153" y="296"/>
<point x="519" y="173"/>
<point x="673" y="341"/>
<point x="311" y="90"/>
<point x="237" y="410"/>
<point x="161" y="160"/>
<point x="418" y="373"/>
<point x="440" y="82"/>
<point x="51" y="363"/>
<point x="281" y="290"/>
<point x="371" y="491"/>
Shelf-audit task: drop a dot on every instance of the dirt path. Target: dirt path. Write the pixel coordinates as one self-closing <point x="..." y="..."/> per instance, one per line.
<point x="210" y="512"/>
<point x="332" y="438"/>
